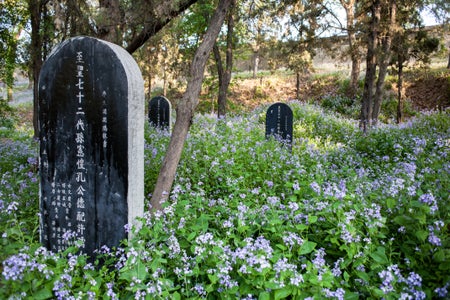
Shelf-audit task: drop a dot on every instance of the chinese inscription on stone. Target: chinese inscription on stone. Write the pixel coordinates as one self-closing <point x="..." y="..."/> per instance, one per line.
<point x="279" y="124"/>
<point x="91" y="101"/>
<point x="159" y="112"/>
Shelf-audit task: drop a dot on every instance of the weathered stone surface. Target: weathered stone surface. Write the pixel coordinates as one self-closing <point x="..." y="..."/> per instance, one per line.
<point x="91" y="120"/>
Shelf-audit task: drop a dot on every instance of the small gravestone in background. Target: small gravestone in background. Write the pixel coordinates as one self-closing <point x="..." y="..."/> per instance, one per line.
<point x="159" y="109"/>
<point x="279" y="120"/>
<point x="91" y="122"/>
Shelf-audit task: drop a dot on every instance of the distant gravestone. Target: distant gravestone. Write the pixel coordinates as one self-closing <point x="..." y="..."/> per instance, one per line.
<point x="159" y="109"/>
<point x="91" y="122"/>
<point x="279" y="120"/>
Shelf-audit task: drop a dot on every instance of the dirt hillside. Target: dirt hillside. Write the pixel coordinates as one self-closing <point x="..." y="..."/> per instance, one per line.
<point x="423" y="91"/>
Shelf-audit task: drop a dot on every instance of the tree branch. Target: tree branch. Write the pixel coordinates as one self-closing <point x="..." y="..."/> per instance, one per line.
<point x="154" y="24"/>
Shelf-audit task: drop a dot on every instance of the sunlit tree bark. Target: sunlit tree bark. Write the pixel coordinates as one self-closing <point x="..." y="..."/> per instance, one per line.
<point x="350" y="11"/>
<point x="368" y="93"/>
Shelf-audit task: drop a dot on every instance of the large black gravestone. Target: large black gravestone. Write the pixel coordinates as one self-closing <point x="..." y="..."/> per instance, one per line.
<point x="159" y="109"/>
<point x="91" y="122"/>
<point x="279" y="120"/>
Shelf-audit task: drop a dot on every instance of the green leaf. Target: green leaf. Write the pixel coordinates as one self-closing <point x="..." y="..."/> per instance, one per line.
<point x="391" y="203"/>
<point x="44" y="293"/>
<point x="280" y="246"/>
<point x="421" y="235"/>
<point x="346" y="276"/>
<point x="364" y="276"/>
<point x="439" y="256"/>
<point x="301" y="227"/>
<point x="176" y="296"/>
<point x="312" y="219"/>
<point x="213" y="278"/>
<point x="444" y="266"/>
<point x="271" y="285"/>
<point x="380" y="256"/>
<point x="351" y="296"/>
<point x="283" y="293"/>
<point x="307" y="247"/>
<point x="191" y="236"/>
<point x="403" y="220"/>
<point x="264" y="296"/>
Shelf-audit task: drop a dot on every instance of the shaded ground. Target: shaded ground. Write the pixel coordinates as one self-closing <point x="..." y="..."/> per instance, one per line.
<point x="428" y="93"/>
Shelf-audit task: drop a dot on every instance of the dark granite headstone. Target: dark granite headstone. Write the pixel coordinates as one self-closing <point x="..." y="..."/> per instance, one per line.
<point x="279" y="120"/>
<point x="159" y="112"/>
<point x="91" y="122"/>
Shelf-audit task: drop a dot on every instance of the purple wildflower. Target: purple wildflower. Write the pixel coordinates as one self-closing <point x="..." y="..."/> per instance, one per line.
<point x="338" y="294"/>
<point x="315" y="187"/>
<point x="442" y="292"/>
<point x="200" y="290"/>
<point x="14" y="266"/>
<point x="429" y="200"/>
<point x="414" y="280"/>
<point x="434" y="240"/>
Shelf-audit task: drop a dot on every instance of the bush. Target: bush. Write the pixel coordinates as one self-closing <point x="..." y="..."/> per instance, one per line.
<point x="343" y="216"/>
<point x="344" y="105"/>
<point x="7" y="115"/>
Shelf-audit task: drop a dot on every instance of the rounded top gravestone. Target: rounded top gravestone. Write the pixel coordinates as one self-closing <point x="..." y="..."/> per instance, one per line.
<point x="159" y="109"/>
<point x="279" y="122"/>
<point x="91" y="122"/>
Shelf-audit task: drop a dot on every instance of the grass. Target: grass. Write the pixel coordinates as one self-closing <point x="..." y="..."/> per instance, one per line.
<point x="344" y="216"/>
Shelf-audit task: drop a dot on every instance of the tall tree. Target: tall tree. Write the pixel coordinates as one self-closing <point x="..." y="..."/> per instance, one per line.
<point x="39" y="22"/>
<point x="372" y="39"/>
<point x="410" y="43"/>
<point x="384" y="56"/>
<point x="352" y="15"/>
<point x="386" y="19"/>
<point x="224" y="74"/>
<point x="186" y="108"/>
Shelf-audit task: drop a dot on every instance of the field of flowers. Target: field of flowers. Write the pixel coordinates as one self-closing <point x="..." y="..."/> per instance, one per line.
<point x="344" y="216"/>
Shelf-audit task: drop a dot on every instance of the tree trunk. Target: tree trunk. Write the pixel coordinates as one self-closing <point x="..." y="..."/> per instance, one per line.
<point x="353" y="47"/>
<point x="367" y="99"/>
<point x="35" y="8"/>
<point x="111" y="26"/>
<point x="9" y="93"/>
<point x="149" y="80"/>
<point x="400" y="87"/>
<point x="354" y="75"/>
<point x="220" y="75"/>
<point x="186" y="107"/>
<point x="225" y="75"/>
<point x="297" y="86"/>
<point x="448" y="63"/>
<point x="255" y="63"/>
<point x="383" y="62"/>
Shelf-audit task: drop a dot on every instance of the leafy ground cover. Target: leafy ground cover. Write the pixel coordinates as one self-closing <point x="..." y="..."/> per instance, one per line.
<point x="342" y="216"/>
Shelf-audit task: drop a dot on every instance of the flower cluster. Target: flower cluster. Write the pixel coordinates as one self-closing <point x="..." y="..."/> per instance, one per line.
<point x="344" y="215"/>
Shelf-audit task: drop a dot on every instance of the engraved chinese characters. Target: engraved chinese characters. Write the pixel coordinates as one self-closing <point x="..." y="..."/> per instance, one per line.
<point x="159" y="112"/>
<point x="279" y="120"/>
<point x="91" y="120"/>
